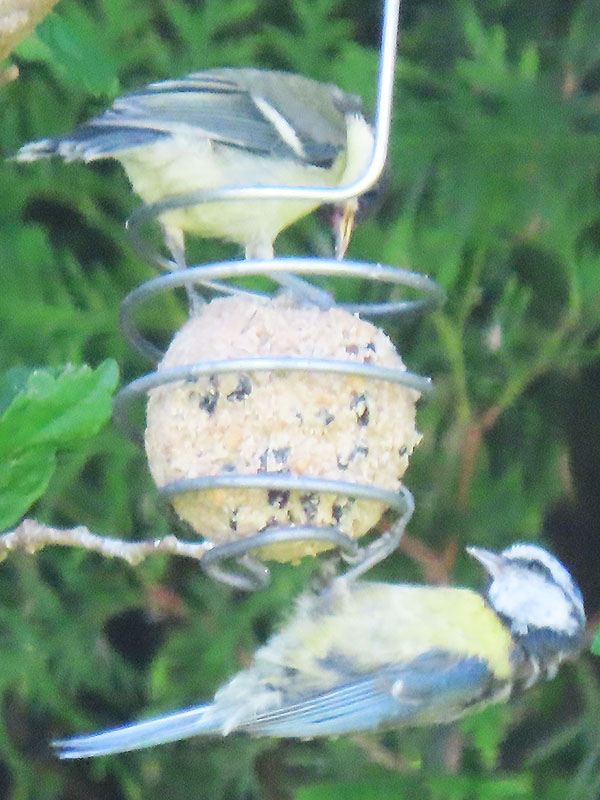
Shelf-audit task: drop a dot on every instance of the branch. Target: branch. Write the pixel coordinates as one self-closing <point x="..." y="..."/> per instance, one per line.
<point x="32" y="536"/>
<point x="436" y="566"/>
<point x="470" y="450"/>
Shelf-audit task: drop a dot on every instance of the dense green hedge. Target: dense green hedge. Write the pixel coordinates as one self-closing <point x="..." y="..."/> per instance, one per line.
<point x="495" y="164"/>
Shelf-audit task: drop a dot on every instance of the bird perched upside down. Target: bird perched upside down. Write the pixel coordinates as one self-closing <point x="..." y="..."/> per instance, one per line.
<point x="362" y="656"/>
<point x="229" y="127"/>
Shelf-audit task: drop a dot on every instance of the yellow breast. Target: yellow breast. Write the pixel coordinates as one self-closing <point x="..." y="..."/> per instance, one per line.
<point x="372" y="624"/>
<point x="182" y="164"/>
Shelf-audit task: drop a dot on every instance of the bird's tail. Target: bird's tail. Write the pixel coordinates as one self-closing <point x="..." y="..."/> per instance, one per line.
<point x="34" y="150"/>
<point x="90" y="142"/>
<point x="201" y="719"/>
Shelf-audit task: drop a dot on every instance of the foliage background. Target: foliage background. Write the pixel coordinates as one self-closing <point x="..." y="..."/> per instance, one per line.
<point x="494" y="191"/>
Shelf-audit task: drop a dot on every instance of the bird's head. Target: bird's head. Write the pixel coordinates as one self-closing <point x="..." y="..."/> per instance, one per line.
<point x="537" y="598"/>
<point x="342" y="218"/>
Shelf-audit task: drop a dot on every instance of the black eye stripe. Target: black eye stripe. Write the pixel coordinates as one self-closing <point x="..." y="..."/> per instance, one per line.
<point x="533" y="565"/>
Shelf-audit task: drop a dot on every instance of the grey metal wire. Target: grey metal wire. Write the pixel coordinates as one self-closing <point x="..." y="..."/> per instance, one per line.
<point x="141" y="386"/>
<point x="257" y="574"/>
<point x="212" y="275"/>
<point x="285" y="271"/>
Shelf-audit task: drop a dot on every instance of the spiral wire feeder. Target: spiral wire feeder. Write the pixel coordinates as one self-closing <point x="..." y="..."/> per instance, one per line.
<point x="290" y="273"/>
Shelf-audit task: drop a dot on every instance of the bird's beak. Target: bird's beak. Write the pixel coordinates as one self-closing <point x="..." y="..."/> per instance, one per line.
<point x="494" y="563"/>
<point x="345" y="227"/>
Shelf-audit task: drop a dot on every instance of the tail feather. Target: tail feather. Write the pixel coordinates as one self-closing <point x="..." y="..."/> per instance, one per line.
<point x="90" y="142"/>
<point x="180" y="725"/>
<point x="45" y="148"/>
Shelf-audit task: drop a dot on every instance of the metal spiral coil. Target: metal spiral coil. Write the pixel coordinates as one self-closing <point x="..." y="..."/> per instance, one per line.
<point x="215" y="278"/>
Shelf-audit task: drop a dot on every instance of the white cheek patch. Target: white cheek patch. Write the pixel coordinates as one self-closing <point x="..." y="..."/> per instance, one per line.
<point x="532" y="552"/>
<point x="531" y="600"/>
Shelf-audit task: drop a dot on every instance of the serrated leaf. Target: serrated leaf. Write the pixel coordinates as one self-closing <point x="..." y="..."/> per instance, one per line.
<point x="11" y="384"/>
<point x="49" y="412"/>
<point x="58" y="410"/>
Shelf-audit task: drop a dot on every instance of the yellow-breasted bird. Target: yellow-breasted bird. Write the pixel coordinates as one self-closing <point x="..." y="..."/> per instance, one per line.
<point x="362" y="656"/>
<point x="228" y="127"/>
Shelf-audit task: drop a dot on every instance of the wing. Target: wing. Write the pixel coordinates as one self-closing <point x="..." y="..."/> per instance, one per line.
<point x="273" y="113"/>
<point x="436" y="687"/>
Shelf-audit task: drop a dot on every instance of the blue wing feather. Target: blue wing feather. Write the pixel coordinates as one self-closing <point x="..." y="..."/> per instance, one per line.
<point x="206" y="105"/>
<point x="435" y="687"/>
<point x="438" y="685"/>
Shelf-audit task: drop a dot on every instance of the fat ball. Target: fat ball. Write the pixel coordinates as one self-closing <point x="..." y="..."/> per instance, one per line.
<point x="342" y="427"/>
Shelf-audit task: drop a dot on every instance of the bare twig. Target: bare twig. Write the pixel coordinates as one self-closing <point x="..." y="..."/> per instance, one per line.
<point x="32" y="536"/>
<point x="436" y="566"/>
<point x="470" y="451"/>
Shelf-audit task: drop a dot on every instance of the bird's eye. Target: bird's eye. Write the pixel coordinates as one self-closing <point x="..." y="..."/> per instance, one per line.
<point x="535" y="566"/>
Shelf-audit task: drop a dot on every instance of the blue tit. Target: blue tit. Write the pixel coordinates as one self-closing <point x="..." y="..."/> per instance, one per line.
<point x="229" y="127"/>
<point x="364" y="656"/>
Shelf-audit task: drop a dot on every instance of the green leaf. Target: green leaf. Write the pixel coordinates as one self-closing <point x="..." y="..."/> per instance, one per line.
<point x="11" y="384"/>
<point x="487" y="731"/>
<point x="500" y="787"/>
<point x="397" y="786"/>
<point x="58" y="411"/>
<point x="530" y="62"/>
<point x="73" y="48"/>
<point x="49" y="412"/>
<point x="582" y="47"/>
<point x="24" y="478"/>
